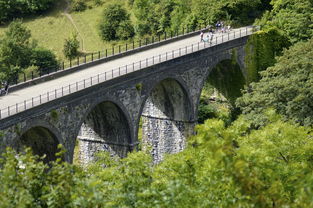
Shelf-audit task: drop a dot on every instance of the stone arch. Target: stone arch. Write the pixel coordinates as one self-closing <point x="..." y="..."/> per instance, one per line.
<point x="42" y="138"/>
<point x="226" y="73"/>
<point x="167" y="118"/>
<point x="105" y="127"/>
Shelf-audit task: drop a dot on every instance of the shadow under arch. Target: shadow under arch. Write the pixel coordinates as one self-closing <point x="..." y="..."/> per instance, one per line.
<point x="42" y="139"/>
<point x="167" y="119"/>
<point x="105" y="127"/>
<point x="223" y="83"/>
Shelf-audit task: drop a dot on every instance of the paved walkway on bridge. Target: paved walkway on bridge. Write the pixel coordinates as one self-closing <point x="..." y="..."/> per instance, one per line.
<point x="33" y="91"/>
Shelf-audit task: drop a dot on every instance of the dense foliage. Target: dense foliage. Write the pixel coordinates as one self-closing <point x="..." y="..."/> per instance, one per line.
<point x="213" y="104"/>
<point x="10" y="9"/>
<point x="155" y="16"/>
<point x="293" y="17"/>
<point x="287" y="87"/>
<point x="18" y="52"/>
<point x="222" y="167"/>
<point x="261" y="51"/>
<point x="227" y="164"/>
<point x="115" y="23"/>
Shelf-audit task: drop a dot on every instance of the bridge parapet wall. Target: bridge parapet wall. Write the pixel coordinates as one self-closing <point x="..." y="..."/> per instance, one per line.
<point x="64" y="117"/>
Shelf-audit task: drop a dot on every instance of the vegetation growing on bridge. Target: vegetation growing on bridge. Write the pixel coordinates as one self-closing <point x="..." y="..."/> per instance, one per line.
<point x="286" y="87"/>
<point x="222" y="88"/>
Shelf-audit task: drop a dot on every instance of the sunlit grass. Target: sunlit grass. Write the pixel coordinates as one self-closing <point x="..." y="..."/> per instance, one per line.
<point x="52" y="28"/>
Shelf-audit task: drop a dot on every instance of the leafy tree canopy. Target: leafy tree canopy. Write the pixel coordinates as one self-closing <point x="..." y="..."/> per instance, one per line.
<point x="221" y="167"/>
<point x="71" y="46"/>
<point x="10" y="9"/>
<point x="287" y="87"/>
<point x="294" y="17"/>
<point x="115" y="23"/>
<point x="15" y="50"/>
<point x="18" y="52"/>
<point x="155" y="16"/>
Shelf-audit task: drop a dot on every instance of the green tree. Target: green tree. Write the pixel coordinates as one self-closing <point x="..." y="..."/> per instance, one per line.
<point x="45" y="60"/>
<point x="71" y="46"/>
<point x="286" y="87"/>
<point x="125" y="30"/>
<point x="293" y="17"/>
<point x="146" y="17"/>
<point x="115" y="20"/>
<point x="18" y="52"/>
<point x="10" y="9"/>
<point x="15" y="50"/>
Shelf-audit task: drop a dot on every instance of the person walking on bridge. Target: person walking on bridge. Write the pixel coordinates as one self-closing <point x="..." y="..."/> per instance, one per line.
<point x="201" y="36"/>
<point x="5" y="88"/>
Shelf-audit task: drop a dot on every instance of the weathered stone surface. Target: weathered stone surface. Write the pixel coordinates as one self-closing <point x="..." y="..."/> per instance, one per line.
<point x="108" y="114"/>
<point x="166" y="119"/>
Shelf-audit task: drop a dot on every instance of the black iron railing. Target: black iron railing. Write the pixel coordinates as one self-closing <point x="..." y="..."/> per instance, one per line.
<point x="135" y="66"/>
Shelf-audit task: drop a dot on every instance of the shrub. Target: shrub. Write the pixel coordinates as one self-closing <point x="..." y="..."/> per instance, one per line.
<point x="45" y="60"/>
<point x="125" y="30"/>
<point x="115" y="23"/>
<point x="10" y="9"/>
<point x="71" y="46"/>
<point x="78" y="5"/>
<point x="98" y="2"/>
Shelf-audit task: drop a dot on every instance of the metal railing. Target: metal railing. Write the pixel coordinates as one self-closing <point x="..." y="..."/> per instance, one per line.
<point x="135" y="66"/>
<point x="106" y="53"/>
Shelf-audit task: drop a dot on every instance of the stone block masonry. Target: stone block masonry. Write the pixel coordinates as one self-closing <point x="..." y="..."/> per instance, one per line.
<point x="106" y="116"/>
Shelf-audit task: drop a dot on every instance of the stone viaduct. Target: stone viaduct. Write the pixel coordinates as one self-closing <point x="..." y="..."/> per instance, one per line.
<point x="106" y="116"/>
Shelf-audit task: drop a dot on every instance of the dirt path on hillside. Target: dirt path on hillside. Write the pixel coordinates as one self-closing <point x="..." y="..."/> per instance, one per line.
<point x="69" y="17"/>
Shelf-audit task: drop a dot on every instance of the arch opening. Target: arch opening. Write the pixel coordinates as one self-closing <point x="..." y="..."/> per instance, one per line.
<point x="42" y="142"/>
<point x="105" y="128"/>
<point x="220" y="91"/>
<point x="166" y="119"/>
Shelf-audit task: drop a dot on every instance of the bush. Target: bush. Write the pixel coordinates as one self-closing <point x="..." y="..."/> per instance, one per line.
<point x="15" y="50"/>
<point x="10" y="9"/>
<point x="125" y="30"/>
<point x="98" y="2"/>
<point x="115" y="23"/>
<point x="71" y="46"/>
<point x="78" y="5"/>
<point x="18" y="52"/>
<point x="45" y="60"/>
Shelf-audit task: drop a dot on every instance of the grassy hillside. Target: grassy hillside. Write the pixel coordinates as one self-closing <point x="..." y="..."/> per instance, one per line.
<point x="52" y="28"/>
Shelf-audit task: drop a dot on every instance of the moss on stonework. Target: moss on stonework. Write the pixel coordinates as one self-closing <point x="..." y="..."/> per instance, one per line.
<point x="228" y="79"/>
<point x="17" y="129"/>
<point x="138" y="87"/>
<point x="261" y="49"/>
<point x="220" y="91"/>
<point x="54" y="115"/>
<point x="1" y="138"/>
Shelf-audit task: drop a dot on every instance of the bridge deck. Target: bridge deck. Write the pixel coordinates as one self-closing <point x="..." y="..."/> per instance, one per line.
<point x="23" y="97"/>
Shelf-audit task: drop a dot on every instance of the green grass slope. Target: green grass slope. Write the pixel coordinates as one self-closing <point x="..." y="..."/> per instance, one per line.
<point x="52" y="28"/>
